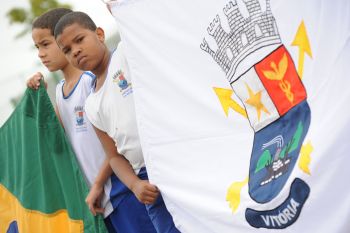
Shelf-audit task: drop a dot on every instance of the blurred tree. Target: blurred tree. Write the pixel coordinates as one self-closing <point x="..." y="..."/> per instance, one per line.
<point x="25" y="16"/>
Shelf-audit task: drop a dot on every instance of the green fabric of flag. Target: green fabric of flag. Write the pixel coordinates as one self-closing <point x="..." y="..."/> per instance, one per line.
<point x="38" y="169"/>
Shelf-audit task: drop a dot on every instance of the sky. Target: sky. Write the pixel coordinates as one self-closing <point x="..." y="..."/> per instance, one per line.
<point x="18" y="57"/>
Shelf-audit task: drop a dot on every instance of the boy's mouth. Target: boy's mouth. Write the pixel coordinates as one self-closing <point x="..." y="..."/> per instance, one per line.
<point x="46" y="62"/>
<point x="81" y="59"/>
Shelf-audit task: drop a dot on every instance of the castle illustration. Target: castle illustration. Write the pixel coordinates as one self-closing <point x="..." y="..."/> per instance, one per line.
<point x="247" y="34"/>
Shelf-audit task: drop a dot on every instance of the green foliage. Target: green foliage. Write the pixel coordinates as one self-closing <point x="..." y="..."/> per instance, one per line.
<point x="17" y="15"/>
<point x="283" y="152"/>
<point x="20" y="15"/>
<point x="296" y="138"/>
<point x="264" y="160"/>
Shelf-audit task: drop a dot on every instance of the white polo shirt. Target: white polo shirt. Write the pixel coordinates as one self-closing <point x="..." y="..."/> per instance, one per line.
<point x="111" y="109"/>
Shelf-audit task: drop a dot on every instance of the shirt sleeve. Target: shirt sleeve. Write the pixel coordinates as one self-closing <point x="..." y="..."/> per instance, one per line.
<point x="91" y="111"/>
<point x="58" y="89"/>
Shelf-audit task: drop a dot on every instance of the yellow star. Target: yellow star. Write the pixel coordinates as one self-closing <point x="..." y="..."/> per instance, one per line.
<point x="255" y="101"/>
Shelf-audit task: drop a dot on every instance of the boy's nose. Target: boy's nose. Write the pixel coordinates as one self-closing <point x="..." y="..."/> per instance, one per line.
<point x="41" y="53"/>
<point x="76" y="52"/>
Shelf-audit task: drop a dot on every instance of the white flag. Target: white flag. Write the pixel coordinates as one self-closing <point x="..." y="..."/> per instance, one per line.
<point x="242" y="110"/>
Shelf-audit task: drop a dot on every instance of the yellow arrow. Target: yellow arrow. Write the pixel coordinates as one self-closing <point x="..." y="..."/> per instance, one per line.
<point x="233" y="196"/>
<point x="302" y="41"/>
<point x="227" y="102"/>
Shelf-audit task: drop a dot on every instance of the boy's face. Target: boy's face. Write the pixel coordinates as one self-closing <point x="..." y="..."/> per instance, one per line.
<point x="48" y="50"/>
<point x="83" y="48"/>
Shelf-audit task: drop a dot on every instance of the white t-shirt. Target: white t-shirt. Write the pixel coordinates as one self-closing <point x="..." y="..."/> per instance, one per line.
<point x="81" y="134"/>
<point x="111" y="109"/>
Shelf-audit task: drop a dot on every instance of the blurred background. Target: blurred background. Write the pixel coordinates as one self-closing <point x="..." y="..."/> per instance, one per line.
<point x="19" y="58"/>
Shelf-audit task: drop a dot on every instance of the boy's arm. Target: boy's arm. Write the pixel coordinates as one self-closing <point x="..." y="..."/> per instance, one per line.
<point x="93" y="199"/>
<point x="143" y="190"/>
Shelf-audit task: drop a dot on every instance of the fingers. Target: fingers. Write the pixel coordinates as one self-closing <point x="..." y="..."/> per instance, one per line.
<point x="93" y="200"/>
<point x="99" y="210"/>
<point x="92" y="209"/>
<point x="150" y="199"/>
<point x="152" y="188"/>
<point x="109" y="7"/>
<point x="145" y="192"/>
<point x="91" y="204"/>
<point x="34" y="81"/>
<point x="95" y="208"/>
<point x="149" y="189"/>
<point x="149" y="194"/>
<point x="152" y="194"/>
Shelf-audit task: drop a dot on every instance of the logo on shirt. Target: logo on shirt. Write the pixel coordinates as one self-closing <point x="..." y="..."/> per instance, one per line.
<point x="125" y="87"/>
<point x="79" y="118"/>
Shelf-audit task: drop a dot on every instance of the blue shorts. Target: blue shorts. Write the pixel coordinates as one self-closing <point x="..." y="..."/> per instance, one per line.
<point x="158" y="213"/>
<point x="131" y="216"/>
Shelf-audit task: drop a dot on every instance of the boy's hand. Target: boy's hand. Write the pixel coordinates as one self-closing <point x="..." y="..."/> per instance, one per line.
<point x="145" y="192"/>
<point x="34" y="81"/>
<point x="109" y="4"/>
<point x="93" y="199"/>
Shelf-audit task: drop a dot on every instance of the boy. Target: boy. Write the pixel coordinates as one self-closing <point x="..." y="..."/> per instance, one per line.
<point x="110" y="108"/>
<point x="71" y="94"/>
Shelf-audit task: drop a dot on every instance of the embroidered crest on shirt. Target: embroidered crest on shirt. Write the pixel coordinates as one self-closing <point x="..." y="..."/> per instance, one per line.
<point x="125" y="87"/>
<point x="80" y="123"/>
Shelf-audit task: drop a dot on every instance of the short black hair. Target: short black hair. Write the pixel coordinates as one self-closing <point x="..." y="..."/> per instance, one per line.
<point x="49" y="19"/>
<point x="78" y="17"/>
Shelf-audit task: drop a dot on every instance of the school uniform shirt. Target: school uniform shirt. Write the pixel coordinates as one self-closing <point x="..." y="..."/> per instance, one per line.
<point x="111" y="109"/>
<point x="81" y="134"/>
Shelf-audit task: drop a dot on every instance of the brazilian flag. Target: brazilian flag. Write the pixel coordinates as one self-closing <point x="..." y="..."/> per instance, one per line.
<point x="41" y="186"/>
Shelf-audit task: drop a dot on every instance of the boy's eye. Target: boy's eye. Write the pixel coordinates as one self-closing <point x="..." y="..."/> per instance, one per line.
<point x="44" y="43"/>
<point x="80" y="39"/>
<point x="66" y="51"/>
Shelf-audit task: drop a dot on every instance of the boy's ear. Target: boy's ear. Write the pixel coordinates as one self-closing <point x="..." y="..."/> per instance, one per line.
<point x="100" y="34"/>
